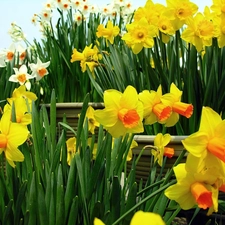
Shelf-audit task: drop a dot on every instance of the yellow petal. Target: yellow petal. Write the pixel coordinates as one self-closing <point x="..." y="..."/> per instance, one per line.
<point x="209" y="120"/>
<point x="108" y="117"/>
<point x="196" y="144"/>
<point x="146" y="218"/>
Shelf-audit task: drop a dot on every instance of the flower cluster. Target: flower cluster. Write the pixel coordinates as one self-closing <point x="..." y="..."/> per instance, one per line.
<point x="201" y="178"/>
<point x="13" y="124"/>
<point x="125" y="112"/>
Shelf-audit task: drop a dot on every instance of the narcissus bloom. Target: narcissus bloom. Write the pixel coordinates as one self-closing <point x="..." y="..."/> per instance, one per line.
<point x="123" y="112"/>
<point x="89" y="56"/>
<point x="109" y="32"/>
<point x="140" y="34"/>
<point x="198" y="182"/>
<point x="218" y="7"/>
<point x="21" y="92"/>
<point x="140" y="217"/>
<point x="219" y="24"/>
<point x="181" y="10"/>
<point x="22" y="113"/>
<point x="92" y="123"/>
<point x="71" y="149"/>
<point x="11" y="136"/>
<point x="21" y="75"/>
<point x="199" y="31"/>
<point x="209" y="138"/>
<point x="159" y="149"/>
<point x="173" y="99"/>
<point x="39" y="69"/>
<point x="154" y="109"/>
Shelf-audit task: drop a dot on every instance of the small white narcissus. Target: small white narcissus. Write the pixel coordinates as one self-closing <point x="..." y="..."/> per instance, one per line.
<point x="20" y="76"/>
<point x="39" y="69"/>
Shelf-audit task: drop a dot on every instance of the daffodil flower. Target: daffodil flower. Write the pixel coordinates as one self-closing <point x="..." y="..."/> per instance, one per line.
<point x="11" y="136"/>
<point x="209" y="138"/>
<point x="20" y="76"/>
<point x="154" y="109"/>
<point x="198" y="183"/>
<point x="140" y="34"/>
<point x="39" y="69"/>
<point x="159" y="150"/>
<point x="23" y="116"/>
<point x="109" y="32"/>
<point x="173" y="99"/>
<point x="71" y="149"/>
<point x="123" y="112"/>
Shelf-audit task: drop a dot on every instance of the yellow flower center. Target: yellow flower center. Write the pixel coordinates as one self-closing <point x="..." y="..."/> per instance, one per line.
<point x="129" y="117"/>
<point x="164" y="27"/>
<point x="202" y="195"/>
<point x="140" y="35"/>
<point x="42" y="72"/>
<point x="3" y="141"/>
<point x="21" y="78"/>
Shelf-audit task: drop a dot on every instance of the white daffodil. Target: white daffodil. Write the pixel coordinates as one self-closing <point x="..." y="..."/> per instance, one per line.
<point x="39" y="69"/>
<point x="20" y="76"/>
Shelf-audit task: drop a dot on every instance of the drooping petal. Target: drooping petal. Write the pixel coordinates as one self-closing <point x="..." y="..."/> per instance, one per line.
<point x="182" y="195"/>
<point x="172" y="120"/>
<point x="196" y="143"/>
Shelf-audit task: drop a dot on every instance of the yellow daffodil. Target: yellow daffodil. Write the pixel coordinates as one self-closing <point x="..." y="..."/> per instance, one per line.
<point x="123" y="112"/>
<point x="154" y="109"/>
<point x="219" y="24"/>
<point x="173" y="99"/>
<point x="22" y="92"/>
<point x="11" y="136"/>
<point x="198" y="183"/>
<point x="89" y="57"/>
<point x="218" y="7"/>
<point x="209" y="138"/>
<point x="140" y="34"/>
<point x="159" y="149"/>
<point x="199" y="31"/>
<point x="109" y="32"/>
<point x="22" y="113"/>
<point x="92" y="123"/>
<point x="181" y="10"/>
<point x="71" y="149"/>
<point x="140" y="217"/>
